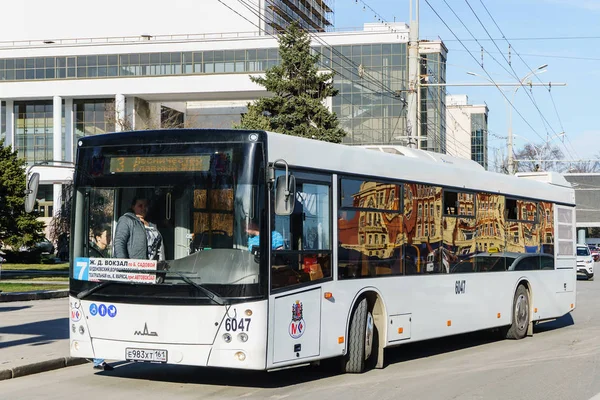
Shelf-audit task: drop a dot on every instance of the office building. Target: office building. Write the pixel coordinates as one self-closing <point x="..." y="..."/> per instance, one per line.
<point x="466" y="129"/>
<point x="58" y="83"/>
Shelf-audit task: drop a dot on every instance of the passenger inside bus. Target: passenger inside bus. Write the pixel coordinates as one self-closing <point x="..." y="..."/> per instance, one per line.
<point x="254" y="237"/>
<point x="100" y="241"/>
<point x="137" y="238"/>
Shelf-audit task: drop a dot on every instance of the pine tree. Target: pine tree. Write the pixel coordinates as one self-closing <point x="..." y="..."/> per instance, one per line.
<point x="297" y="107"/>
<point x="17" y="228"/>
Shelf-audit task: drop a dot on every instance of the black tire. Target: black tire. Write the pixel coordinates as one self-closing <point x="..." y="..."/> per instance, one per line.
<point x="520" y="315"/>
<point x="354" y="360"/>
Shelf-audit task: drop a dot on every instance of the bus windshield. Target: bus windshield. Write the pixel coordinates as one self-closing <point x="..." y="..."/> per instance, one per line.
<point x="172" y="222"/>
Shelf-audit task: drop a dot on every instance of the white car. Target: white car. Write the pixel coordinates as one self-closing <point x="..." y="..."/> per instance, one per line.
<point x="585" y="262"/>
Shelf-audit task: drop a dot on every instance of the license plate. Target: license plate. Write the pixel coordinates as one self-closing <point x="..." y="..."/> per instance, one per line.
<point x="147" y="355"/>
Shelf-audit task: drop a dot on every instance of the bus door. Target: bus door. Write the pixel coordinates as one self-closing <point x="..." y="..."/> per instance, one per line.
<point x="301" y="262"/>
<point x="565" y="249"/>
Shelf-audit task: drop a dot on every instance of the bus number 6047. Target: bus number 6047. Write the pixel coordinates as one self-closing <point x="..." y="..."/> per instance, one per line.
<point x="232" y="324"/>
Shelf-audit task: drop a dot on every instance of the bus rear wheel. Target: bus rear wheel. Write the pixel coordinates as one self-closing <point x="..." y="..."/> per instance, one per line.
<point x="520" y="317"/>
<point x="360" y="339"/>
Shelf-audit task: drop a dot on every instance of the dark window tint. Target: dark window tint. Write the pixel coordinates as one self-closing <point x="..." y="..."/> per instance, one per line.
<point x="528" y="264"/>
<point x="458" y="203"/>
<point x="583" y="251"/>
<point x="547" y="263"/>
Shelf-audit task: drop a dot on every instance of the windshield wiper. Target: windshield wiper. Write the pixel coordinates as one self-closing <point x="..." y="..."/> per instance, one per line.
<point x="209" y="293"/>
<point x="86" y="293"/>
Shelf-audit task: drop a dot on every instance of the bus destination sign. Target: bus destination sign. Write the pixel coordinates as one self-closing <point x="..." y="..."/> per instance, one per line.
<point x="133" y="164"/>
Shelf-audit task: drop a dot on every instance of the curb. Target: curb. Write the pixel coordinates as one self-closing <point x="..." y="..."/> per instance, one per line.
<point x="42" y="366"/>
<point x="40" y="295"/>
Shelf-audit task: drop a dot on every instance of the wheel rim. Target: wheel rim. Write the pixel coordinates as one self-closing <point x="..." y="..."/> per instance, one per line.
<point x="369" y="336"/>
<point x="522" y="312"/>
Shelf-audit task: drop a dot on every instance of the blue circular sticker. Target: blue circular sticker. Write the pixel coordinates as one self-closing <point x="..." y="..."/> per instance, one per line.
<point x="112" y="311"/>
<point x="93" y="309"/>
<point x="102" y="310"/>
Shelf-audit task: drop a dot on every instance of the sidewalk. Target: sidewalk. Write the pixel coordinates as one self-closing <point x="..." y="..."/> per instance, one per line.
<point x="26" y="296"/>
<point x="34" y="336"/>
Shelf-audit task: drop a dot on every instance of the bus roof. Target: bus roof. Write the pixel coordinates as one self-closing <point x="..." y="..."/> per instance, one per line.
<point x="415" y="166"/>
<point x="402" y="163"/>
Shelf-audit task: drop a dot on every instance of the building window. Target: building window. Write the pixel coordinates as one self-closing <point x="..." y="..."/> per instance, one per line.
<point x="93" y="117"/>
<point x="34" y="130"/>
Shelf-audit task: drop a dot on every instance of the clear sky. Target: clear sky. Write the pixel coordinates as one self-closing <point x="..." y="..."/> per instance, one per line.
<point x="541" y="32"/>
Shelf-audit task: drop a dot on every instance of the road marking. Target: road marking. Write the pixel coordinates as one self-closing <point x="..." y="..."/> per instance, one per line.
<point x="596" y="397"/>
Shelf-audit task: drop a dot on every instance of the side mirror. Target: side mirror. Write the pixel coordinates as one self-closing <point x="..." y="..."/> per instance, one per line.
<point x="31" y="191"/>
<point x="285" y="194"/>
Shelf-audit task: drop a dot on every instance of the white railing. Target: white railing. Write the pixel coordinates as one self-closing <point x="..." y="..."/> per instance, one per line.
<point x="129" y="39"/>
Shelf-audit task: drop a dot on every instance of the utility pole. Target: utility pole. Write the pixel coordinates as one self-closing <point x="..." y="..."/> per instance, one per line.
<point x="413" y="77"/>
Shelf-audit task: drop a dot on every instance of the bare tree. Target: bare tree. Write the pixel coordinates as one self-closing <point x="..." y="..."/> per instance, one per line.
<point x="500" y="162"/>
<point x="148" y="117"/>
<point x="586" y="166"/>
<point x="539" y="158"/>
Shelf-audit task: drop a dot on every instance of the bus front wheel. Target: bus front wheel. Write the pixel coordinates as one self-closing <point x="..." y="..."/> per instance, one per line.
<point x="520" y="317"/>
<point x="360" y="339"/>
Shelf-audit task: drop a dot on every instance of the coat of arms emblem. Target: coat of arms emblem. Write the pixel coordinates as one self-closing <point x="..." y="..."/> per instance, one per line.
<point x="297" y="326"/>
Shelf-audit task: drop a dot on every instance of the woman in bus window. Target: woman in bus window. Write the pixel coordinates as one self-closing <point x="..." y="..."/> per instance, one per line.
<point x="135" y="237"/>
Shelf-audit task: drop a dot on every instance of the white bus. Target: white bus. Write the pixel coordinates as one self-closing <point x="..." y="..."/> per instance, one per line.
<point x="360" y="251"/>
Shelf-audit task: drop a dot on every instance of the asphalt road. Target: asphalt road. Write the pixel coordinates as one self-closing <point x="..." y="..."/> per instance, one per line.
<point x="561" y="361"/>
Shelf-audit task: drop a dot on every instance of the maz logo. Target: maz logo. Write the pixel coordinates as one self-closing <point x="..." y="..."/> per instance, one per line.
<point x="460" y="287"/>
<point x="145" y="332"/>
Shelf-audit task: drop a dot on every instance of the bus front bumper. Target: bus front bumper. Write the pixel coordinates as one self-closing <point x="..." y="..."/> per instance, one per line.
<point x="160" y="353"/>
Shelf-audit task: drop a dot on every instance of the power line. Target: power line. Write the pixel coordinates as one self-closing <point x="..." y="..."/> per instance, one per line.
<point x="521" y="58"/>
<point x="541" y="55"/>
<point x="527" y="38"/>
<point x="481" y="65"/>
<point x="368" y="78"/>
<point x="485" y="70"/>
<point x="377" y="15"/>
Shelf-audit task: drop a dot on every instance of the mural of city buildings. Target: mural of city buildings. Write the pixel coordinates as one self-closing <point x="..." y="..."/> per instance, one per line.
<point x="408" y="229"/>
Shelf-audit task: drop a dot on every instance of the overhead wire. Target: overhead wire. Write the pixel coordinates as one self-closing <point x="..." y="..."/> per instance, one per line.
<point x="529" y="38"/>
<point x="498" y="62"/>
<point x="484" y="69"/>
<point x="369" y="79"/>
<point x="539" y="55"/>
<point x="258" y="14"/>
<point x="524" y="62"/>
<point x="385" y="90"/>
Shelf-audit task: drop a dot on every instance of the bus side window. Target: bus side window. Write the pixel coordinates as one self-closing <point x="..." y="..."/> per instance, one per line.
<point x="547" y="263"/>
<point x="306" y="252"/>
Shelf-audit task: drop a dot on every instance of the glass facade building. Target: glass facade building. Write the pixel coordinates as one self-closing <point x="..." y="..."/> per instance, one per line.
<point x="2" y="121"/>
<point x="432" y="115"/>
<point x="371" y="80"/>
<point x="312" y="15"/>
<point x="479" y="139"/>
<point x="34" y="130"/>
<point x="93" y="117"/>
<point x="367" y="105"/>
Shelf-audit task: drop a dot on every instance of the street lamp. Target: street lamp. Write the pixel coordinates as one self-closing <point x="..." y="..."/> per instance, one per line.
<point x="511" y="166"/>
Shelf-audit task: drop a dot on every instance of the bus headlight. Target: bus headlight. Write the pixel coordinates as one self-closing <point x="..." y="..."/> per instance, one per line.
<point x="243" y="337"/>
<point x="227" y="337"/>
<point x="240" y="355"/>
<point x="81" y="329"/>
<point x="73" y="328"/>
